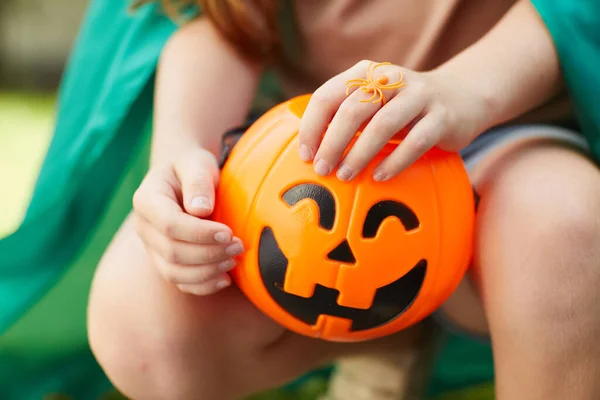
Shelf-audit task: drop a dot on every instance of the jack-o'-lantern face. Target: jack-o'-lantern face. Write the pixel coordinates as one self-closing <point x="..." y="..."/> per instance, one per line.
<point x="388" y="302"/>
<point x="343" y="261"/>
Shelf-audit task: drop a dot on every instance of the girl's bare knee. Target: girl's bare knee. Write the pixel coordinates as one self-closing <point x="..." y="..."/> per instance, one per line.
<point x="538" y="267"/>
<point x="538" y="251"/>
<point x="151" y="341"/>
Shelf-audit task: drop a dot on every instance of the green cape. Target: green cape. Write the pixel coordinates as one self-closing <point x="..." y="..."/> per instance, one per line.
<point x="97" y="157"/>
<point x="105" y="103"/>
<point x="575" y="29"/>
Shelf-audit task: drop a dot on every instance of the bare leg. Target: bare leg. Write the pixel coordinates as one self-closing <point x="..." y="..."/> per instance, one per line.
<point x="538" y="259"/>
<point x="156" y="343"/>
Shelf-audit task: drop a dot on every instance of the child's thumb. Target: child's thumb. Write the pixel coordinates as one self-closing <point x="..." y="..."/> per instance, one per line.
<point x="198" y="178"/>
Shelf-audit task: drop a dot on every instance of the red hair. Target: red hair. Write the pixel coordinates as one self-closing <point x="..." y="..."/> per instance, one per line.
<point x="251" y="26"/>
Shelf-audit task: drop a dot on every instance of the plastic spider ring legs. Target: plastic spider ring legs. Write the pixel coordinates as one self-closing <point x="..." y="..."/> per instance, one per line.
<point x="375" y="86"/>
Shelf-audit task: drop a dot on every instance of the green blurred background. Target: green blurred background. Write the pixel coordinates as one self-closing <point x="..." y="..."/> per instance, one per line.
<point x="35" y="39"/>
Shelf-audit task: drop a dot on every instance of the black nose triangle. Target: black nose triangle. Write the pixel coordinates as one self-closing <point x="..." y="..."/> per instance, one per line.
<point x="342" y="253"/>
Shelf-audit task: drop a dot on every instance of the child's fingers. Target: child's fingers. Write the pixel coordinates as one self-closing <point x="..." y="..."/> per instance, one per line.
<point x="184" y="253"/>
<point x="422" y="137"/>
<point x="157" y="210"/>
<point x="388" y="121"/>
<point x="207" y="288"/>
<point x="347" y="121"/>
<point x="193" y="275"/>
<point x="322" y="107"/>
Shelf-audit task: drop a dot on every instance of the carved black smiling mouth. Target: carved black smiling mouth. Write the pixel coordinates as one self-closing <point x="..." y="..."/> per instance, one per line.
<point x="389" y="301"/>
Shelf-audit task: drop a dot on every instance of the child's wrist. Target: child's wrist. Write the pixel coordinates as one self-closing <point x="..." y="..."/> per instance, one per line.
<point x="169" y="148"/>
<point x="480" y="103"/>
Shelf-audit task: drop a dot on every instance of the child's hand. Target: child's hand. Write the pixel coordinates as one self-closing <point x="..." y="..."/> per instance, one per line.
<point x="439" y="111"/>
<point x="170" y="204"/>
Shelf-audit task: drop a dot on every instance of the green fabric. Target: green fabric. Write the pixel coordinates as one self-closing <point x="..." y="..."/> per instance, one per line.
<point x="462" y="363"/>
<point x="100" y="120"/>
<point x="575" y="29"/>
<point x="478" y="392"/>
<point x="47" y="351"/>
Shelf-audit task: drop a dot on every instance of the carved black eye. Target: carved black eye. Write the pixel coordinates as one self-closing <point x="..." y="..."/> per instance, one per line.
<point x="320" y="195"/>
<point x="385" y="209"/>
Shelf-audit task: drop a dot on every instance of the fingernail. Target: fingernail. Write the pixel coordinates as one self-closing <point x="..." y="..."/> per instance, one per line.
<point x="222" y="237"/>
<point x="226" y="265"/>
<point x="222" y="284"/>
<point x="305" y="153"/>
<point x="344" y="172"/>
<point x="183" y="288"/>
<point x="380" y="176"/>
<point x="187" y="288"/>
<point x="322" y="168"/>
<point x="234" y="249"/>
<point x="201" y="202"/>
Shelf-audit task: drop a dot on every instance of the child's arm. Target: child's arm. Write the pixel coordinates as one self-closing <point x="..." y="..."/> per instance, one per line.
<point x="511" y="70"/>
<point x="514" y="68"/>
<point x="203" y="88"/>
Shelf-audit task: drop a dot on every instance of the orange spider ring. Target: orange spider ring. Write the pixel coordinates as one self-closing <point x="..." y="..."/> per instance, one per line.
<point x="375" y="86"/>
